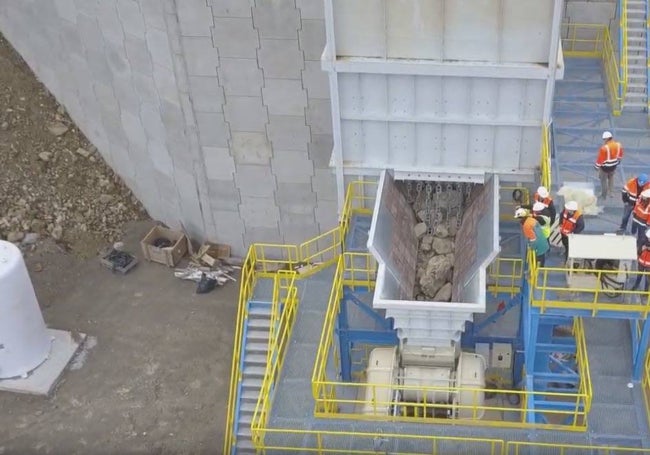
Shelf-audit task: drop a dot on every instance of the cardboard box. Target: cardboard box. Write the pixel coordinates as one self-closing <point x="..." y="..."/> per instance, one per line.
<point x="210" y="252"/>
<point x="167" y="255"/>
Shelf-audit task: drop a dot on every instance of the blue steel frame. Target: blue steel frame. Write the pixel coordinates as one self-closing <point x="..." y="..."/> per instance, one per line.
<point x="385" y="336"/>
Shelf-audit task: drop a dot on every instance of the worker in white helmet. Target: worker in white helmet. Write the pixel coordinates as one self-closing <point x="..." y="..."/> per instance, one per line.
<point x="534" y="235"/>
<point x="641" y="216"/>
<point x="571" y="222"/>
<point x="540" y="213"/>
<point x="644" y="263"/>
<point x="543" y="196"/>
<point x="610" y="155"/>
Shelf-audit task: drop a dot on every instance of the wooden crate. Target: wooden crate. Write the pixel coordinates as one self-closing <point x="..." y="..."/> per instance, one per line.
<point x="168" y="255"/>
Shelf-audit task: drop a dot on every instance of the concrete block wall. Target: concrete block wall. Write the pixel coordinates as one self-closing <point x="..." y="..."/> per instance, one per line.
<point x="214" y="112"/>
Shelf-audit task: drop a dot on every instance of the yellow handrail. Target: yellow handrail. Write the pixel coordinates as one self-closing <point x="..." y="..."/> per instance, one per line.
<point x="505" y="274"/>
<point x="513" y="448"/>
<point x="645" y="384"/>
<point x="545" y="167"/>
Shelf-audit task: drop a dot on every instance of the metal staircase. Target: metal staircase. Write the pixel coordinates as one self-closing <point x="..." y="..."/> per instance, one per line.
<point x="253" y="365"/>
<point x="636" y="99"/>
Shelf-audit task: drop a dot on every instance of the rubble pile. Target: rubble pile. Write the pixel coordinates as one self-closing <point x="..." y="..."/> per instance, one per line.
<point x="439" y="210"/>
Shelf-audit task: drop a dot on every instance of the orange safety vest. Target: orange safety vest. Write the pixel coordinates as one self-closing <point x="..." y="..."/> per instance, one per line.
<point x="641" y="213"/>
<point x="546" y="201"/>
<point x="569" y="223"/>
<point x="528" y="228"/>
<point x="644" y="257"/>
<point x="609" y="156"/>
<point x="632" y="189"/>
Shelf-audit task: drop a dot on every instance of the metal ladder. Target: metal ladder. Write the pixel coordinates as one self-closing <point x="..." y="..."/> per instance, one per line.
<point x="636" y="99"/>
<point x="253" y="366"/>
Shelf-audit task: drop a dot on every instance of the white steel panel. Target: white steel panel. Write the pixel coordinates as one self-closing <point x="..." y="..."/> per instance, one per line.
<point x="484" y="97"/>
<point x="374" y="94"/>
<point x="350" y="94"/>
<point x="512" y="93"/>
<point x="526" y="30"/>
<point x="402" y="143"/>
<point x="415" y="29"/>
<point x="456" y="97"/>
<point x="429" y="145"/>
<point x="428" y="97"/>
<point x="531" y="144"/>
<point x="534" y="104"/>
<point x="481" y="146"/>
<point x="352" y="141"/>
<point x="376" y="143"/>
<point x="359" y="27"/>
<point x="471" y="30"/>
<point x="401" y="96"/>
<point x="454" y="140"/>
<point x="507" y="146"/>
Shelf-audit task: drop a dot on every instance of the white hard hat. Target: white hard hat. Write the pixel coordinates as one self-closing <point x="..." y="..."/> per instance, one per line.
<point x="542" y="191"/>
<point x="521" y="213"/>
<point x="571" y="206"/>
<point x="645" y="194"/>
<point x="538" y="206"/>
<point x="607" y="135"/>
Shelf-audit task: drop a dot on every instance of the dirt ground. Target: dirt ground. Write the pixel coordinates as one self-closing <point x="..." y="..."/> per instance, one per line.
<point x="156" y="381"/>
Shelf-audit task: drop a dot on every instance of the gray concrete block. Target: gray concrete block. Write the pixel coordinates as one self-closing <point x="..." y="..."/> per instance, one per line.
<point x="106" y="97"/>
<point x="206" y="94"/>
<point x="276" y="21"/>
<point x="66" y="10"/>
<point x="259" y="211"/>
<point x="172" y="118"/>
<point x="117" y="60"/>
<point x="311" y="9"/>
<point x="319" y="116"/>
<point x="324" y="185"/>
<point x="229" y="229"/>
<point x="178" y="146"/>
<point x="255" y="181"/>
<point x="260" y="234"/>
<point x="138" y="55"/>
<point x="133" y="129"/>
<point x="245" y="113"/>
<point x="240" y="77"/>
<point x="70" y="40"/>
<point x="251" y="148"/>
<point x="281" y="59"/>
<point x="295" y="198"/>
<point x="123" y="164"/>
<point x="224" y="195"/>
<point x="326" y="215"/>
<point x="292" y="166"/>
<point x="166" y="85"/>
<point x="113" y="127"/>
<point x="154" y="14"/>
<point x="213" y="130"/>
<point x="288" y="219"/>
<point x="131" y="17"/>
<point x="146" y="88"/>
<point x="315" y="80"/>
<point x="284" y="96"/>
<point x="98" y="66"/>
<point x="125" y="93"/>
<point x="151" y="121"/>
<point x="235" y="37"/>
<point x="109" y="22"/>
<point x="219" y="164"/>
<point x="293" y="234"/>
<point x="194" y="17"/>
<point x="86" y="7"/>
<point x="312" y="38"/>
<point x="160" y="158"/>
<point x="320" y="150"/>
<point x="231" y="8"/>
<point x="89" y="32"/>
<point x="201" y="57"/>
<point x="159" y="48"/>
<point x="288" y="132"/>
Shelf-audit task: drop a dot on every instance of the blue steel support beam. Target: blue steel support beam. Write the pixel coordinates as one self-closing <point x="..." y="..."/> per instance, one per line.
<point x="344" y="342"/>
<point x="640" y="352"/>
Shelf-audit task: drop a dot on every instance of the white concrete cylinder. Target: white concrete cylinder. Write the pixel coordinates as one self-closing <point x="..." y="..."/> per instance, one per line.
<point x="24" y="342"/>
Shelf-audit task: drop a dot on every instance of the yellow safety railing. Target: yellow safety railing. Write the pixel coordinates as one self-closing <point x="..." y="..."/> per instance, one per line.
<point x="507" y="204"/>
<point x="582" y="361"/>
<point x="545" y="166"/>
<point x="645" y="385"/>
<point x="359" y="270"/>
<point x="623" y="47"/>
<point x="359" y="199"/>
<point x="285" y="308"/>
<point x="526" y="448"/>
<point x="504" y="275"/>
<point x="550" y="289"/>
<point x="246" y="286"/>
<point x="594" y="41"/>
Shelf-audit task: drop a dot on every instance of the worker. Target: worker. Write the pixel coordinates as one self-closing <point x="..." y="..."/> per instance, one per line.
<point x="641" y="216"/>
<point x="533" y="233"/>
<point x="609" y="157"/>
<point x="644" y="263"/>
<point x="542" y="195"/>
<point x="631" y="192"/>
<point x="540" y="213"/>
<point x="571" y="222"/>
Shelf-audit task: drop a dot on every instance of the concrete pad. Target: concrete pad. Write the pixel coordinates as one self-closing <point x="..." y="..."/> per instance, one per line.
<point x="44" y="379"/>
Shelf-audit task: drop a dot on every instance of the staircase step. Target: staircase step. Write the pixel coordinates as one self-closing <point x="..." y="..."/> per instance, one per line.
<point x="636" y="95"/>
<point x="252" y="383"/>
<point x="258" y="335"/>
<point x="245" y="445"/>
<point x="257" y="348"/>
<point x="259" y="323"/>
<point x="259" y="312"/>
<point x="245" y="419"/>
<point x="255" y="359"/>
<point x="635" y="48"/>
<point x="247" y="406"/>
<point x="244" y="432"/>
<point x="250" y="396"/>
<point x="254" y="372"/>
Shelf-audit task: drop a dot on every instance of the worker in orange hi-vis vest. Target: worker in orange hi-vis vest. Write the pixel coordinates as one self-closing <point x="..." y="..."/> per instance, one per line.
<point x="571" y="222"/>
<point x="630" y="194"/>
<point x="542" y="195"/>
<point x="609" y="157"/>
<point x="641" y="216"/>
<point x="644" y="263"/>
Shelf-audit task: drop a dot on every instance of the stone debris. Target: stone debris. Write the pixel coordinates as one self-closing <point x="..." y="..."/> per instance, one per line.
<point x="44" y="156"/>
<point x="57" y="128"/>
<point x="15" y="237"/>
<point x="83" y="152"/>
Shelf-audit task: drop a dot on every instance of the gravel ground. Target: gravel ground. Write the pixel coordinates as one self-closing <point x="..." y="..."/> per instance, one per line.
<point x="53" y="182"/>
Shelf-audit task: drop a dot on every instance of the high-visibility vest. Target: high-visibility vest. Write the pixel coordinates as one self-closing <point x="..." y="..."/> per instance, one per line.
<point x="641" y="212"/>
<point x="546" y="200"/>
<point x="546" y="227"/>
<point x="644" y="257"/>
<point x="609" y="156"/>
<point x="569" y="222"/>
<point x="633" y="189"/>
